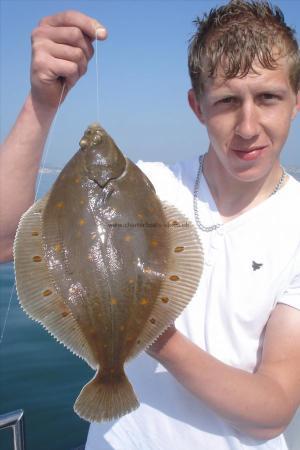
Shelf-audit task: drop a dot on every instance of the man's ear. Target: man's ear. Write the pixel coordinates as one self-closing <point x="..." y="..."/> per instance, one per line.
<point x="195" y="105"/>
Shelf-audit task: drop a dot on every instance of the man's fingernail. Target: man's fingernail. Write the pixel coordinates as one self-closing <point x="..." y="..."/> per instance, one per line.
<point x="100" y="30"/>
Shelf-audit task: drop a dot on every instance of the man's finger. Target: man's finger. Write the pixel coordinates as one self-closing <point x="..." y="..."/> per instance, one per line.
<point x="89" y="26"/>
<point x="72" y="36"/>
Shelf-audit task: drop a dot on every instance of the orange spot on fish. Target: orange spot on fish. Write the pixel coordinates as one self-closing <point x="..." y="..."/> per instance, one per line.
<point x="140" y="216"/>
<point x="179" y="249"/>
<point x="144" y="301"/>
<point x="128" y="237"/>
<point x="77" y="180"/>
<point x="164" y="299"/>
<point x="35" y="233"/>
<point x="154" y="243"/>
<point x="81" y="202"/>
<point x="47" y="292"/>
<point x="131" y="280"/>
<point x="81" y="222"/>
<point x="37" y="258"/>
<point x="129" y="339"/>
<point x="112" y="371"/>
<point x="60" y="205"/>
<point x="174" y="278"/>
<point x="122" y="328"/>
<point x="114" y="301"/>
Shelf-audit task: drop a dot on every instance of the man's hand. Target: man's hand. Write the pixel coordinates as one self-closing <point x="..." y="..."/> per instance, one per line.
<point x="61" y="50"/>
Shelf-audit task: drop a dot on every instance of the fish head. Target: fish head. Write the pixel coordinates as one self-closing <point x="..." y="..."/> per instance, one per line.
<point x="103" y="160"/>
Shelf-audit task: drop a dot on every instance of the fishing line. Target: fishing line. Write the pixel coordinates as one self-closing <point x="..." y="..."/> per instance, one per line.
<point x="97" y="76"/>
<point x="41" y="172"/>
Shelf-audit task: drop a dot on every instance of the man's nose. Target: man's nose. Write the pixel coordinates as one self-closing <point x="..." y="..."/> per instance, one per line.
<point x="247" y="125"/>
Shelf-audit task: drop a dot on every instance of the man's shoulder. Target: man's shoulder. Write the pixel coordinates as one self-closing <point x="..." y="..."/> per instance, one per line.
<point x="291" y="194"/>
<point x="178" y="170"/>
<point x="169" y="180"/>
<point x="161" y="176"/>
<point x="154" y="168"/>
<point x="284" y="211"/>
<point x="294" y="183"/>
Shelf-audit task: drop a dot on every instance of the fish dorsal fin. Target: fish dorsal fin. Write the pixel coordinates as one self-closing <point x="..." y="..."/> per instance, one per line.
<point x="185" y="264"/>
<point x="36" y="290"/>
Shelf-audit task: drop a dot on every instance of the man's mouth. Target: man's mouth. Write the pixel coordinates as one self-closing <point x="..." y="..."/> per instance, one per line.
<point x="249" y="154"/>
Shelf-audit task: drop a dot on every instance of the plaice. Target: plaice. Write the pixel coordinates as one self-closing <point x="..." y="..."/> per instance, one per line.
<point x="105" y="267"/>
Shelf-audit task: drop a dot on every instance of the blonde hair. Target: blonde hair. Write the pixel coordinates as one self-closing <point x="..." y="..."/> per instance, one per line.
<point x="232" y="36"/>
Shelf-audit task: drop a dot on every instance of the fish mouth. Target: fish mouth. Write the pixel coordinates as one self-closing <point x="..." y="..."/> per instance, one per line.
<point x="102" y="183"/>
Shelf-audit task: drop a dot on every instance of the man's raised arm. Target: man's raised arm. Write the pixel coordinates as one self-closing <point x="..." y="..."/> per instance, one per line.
<point x="61" y="50"/>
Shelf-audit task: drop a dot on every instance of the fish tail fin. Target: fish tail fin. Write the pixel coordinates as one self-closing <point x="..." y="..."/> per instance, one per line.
<point x="106" y="397"/>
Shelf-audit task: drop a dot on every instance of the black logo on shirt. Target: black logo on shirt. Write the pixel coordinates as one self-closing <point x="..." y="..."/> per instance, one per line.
<point x="256" y="266"/>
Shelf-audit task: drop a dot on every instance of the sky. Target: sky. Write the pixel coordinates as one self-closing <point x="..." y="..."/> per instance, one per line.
<point x="143" y="77"/>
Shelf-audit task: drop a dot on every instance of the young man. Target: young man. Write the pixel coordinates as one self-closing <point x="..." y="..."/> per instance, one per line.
<point x="228" y="373"/>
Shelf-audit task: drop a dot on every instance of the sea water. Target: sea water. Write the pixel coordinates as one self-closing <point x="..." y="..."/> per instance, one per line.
<point x="43" y="378"/>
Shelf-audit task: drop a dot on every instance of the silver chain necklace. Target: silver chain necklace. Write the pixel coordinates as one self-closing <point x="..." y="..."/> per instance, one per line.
<point x="196" y="192"/>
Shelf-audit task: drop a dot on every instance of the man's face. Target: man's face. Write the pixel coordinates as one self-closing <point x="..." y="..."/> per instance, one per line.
<point x="247" y="120"/>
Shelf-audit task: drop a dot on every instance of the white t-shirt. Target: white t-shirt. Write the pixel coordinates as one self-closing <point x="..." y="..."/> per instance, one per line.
<point x="226" y="317"/>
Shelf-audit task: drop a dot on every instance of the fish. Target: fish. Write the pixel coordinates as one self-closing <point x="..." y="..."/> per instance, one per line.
<point x="105" y="267"/>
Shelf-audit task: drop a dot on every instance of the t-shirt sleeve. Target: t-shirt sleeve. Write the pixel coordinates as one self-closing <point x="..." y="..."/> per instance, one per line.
<point x="291" y="293"/>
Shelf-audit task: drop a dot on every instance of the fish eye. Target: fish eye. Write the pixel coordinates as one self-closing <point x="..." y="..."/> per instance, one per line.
<point x="91" y="138"/>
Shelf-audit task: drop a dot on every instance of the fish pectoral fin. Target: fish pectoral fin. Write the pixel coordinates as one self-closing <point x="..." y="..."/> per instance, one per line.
<point x="185" y="265"/>
<point x="36" y="292"/>
<point x="106" y="397"/>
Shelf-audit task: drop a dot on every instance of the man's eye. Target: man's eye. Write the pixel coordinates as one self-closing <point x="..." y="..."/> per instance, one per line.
<point x="227" y="100"/>
<point x="269" y="97"/>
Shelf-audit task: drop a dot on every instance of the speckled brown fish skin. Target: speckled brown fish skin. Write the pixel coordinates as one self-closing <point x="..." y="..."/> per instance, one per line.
<point x="106" y="247"/>
<point x="97" y="264"/>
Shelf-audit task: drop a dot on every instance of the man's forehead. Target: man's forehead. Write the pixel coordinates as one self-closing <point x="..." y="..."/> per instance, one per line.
<point x="257" y="76"/>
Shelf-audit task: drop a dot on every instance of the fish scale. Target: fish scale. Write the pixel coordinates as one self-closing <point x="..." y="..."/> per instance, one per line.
<point x="105" y="267"/>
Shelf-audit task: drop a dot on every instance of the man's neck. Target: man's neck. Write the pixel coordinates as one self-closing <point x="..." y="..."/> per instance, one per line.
<point x="232" y="196"/>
